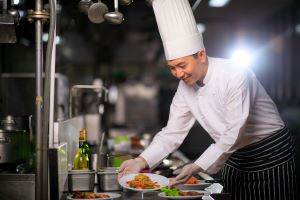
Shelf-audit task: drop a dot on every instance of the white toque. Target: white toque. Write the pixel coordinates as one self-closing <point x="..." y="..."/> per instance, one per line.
<point x="177" y="28"/>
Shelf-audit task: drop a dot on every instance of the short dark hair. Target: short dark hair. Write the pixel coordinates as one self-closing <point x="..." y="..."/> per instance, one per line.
<point x="195" y="55"/>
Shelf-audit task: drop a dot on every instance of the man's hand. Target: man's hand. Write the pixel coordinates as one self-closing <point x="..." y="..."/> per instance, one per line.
<point x="185" y="173"/>
<point x="132" y="166"/>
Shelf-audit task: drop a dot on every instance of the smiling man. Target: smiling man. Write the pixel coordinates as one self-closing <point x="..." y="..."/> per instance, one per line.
<point x="190" y="69"/>
<point x="252" y="146"/>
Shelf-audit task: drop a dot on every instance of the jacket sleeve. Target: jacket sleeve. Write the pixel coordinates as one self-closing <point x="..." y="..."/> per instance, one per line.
<point x="237" y="107"/>
<point x="170" y="137"/>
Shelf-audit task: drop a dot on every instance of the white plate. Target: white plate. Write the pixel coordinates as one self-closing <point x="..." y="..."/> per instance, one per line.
<point x="201" y="185"/>
<point x="162" y="194"/>
<point x="161" y="181"/>
<point x="111" y="196"/>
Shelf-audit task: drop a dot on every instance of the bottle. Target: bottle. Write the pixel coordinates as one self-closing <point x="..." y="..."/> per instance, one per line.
<point x="86" y="146"/>
<point x="81" y="159"/>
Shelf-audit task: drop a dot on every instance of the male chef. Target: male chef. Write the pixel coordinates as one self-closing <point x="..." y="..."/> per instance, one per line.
<point x="252" y="146"/>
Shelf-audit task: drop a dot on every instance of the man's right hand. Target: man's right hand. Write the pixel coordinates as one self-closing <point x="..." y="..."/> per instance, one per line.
<point x="131" y="166"/>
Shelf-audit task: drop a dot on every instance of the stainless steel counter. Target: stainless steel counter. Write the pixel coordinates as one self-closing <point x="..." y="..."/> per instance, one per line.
<point x="17" y="186"/>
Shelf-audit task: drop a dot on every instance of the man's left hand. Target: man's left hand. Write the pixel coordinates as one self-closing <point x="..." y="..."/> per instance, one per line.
<point x="186" y="172"/>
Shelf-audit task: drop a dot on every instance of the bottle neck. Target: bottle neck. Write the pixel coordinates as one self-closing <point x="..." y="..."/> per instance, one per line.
<point x="81" y="143"/>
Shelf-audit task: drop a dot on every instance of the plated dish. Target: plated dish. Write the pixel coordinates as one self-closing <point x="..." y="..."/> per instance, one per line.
<point x="143" y="182"/>
<point x="92" y="195"/>
<point x="193" y="184"/>
<point x="184" y="194"/>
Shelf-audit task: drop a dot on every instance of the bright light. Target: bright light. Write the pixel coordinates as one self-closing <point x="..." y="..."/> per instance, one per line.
<point x="242" y="57"/>
<point x="57" y="38"/>
<point x="45" y="37"/>
<point x="16" y="2"/>
<point x="218" y="3"/>
<point x="201" y="27"/>
<point x="297" y="28"/>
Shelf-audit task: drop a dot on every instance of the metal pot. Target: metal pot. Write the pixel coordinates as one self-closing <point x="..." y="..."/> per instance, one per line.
<point x="10" y="123"/>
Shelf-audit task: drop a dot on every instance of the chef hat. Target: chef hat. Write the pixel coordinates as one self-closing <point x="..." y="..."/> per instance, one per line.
<point x="177" y="28"/>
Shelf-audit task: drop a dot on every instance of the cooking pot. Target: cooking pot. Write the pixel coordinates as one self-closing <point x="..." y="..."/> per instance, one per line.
<point x="15" y="144"/>
<point x="10" y="122"/>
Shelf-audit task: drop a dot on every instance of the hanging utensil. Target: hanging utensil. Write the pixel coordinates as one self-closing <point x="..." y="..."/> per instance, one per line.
<point x="126" y="2"/>
<point x="114" y="17"/>
<point x="84" y="5"/>
<point x="96" y="12"/>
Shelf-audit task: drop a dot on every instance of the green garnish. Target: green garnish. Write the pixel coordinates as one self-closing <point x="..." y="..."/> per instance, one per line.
<point x="170" y="191"/>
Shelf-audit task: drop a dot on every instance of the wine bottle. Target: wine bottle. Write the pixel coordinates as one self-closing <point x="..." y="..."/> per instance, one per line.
<point x="81" y="159"/>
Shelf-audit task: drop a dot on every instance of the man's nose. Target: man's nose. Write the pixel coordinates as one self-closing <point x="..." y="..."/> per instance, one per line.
<point x="180" y="74"/>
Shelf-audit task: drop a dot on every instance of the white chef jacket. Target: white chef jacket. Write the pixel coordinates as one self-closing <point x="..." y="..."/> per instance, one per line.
<point x="232" y="107"/>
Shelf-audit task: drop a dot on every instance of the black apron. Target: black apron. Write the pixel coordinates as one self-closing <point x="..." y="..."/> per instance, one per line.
<point x="264" y="170"/>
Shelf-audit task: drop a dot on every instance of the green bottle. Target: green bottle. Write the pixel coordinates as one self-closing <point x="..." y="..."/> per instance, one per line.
<point x="81" y="159"/>
<point x="86" y="146"/>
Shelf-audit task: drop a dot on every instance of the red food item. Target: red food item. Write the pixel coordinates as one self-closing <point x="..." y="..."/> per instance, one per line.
<point x="190" y="193"/>
<point x="88" y="195"/>
<point x="192" y="180"/>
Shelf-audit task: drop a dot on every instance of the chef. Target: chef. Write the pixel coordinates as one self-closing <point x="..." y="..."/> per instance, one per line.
<point x="252" y="146"/>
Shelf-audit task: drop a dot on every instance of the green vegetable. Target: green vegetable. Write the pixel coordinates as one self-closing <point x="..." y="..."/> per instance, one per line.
<point x="170" y="191"/>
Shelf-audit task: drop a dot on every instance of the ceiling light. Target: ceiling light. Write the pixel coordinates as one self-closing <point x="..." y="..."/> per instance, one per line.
<point x="218" y="3"/>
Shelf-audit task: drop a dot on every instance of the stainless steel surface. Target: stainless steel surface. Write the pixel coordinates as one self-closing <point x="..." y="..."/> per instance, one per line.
<point x="126" y="2"/>
<point x="108" y="179"/>
<point x="114" y="17"/>
<point x="68" y="132"/>
<point x="17" y="186"/>
<point x="96" y="12"/>
<point x="102" y="157"/>
<point x="48" y="98"/>
<point x="10" y="122"/>
<point x="58" y="171"/>
<point x="196" y="4"/>
<point x="39" y="190"/>
<point x="15" y="14"/>
<point x="7" y="29"/>
<point x="81" y="180"/>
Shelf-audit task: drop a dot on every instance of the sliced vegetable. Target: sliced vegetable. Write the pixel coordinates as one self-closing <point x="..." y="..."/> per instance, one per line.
<point x="170" y="191"/>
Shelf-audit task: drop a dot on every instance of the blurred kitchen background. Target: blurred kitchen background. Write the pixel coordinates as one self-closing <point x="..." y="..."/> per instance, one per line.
<point x="128" y="60"/>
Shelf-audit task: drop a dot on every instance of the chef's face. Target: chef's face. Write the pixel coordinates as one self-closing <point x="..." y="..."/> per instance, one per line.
<point x="190" y="69"/>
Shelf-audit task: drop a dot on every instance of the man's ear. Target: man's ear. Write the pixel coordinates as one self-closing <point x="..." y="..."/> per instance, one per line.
<point x="202" y="56"/>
